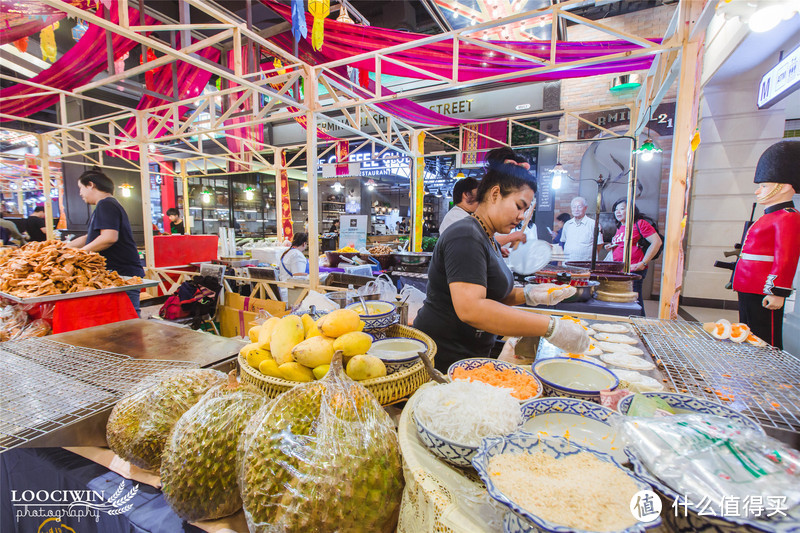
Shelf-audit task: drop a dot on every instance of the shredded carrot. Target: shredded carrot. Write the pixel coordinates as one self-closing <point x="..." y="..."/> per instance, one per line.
<point x="524" y="386"/>
<point x="776" y="405"/>
<point x="726" y="375"/>
<point x="553" y="289"/>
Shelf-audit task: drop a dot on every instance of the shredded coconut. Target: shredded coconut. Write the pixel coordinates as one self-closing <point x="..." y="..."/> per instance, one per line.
<point x="465" y="412"/>
<point x="577" y="491"/>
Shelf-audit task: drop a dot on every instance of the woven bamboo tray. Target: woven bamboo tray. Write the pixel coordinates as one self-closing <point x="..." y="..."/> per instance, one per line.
<point x="388" y="389"/>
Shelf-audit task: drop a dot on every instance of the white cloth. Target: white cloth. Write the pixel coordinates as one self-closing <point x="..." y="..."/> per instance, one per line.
<point x="577" y="239"/>
<point x="452" y="216"/>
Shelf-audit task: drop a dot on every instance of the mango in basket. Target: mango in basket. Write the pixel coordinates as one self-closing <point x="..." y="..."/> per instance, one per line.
<point x="265" y="332"/>
<point x="339" y="322"/>
<point x="320" y="371"/>
<point x="253" y="333"/>
<point x="310" y="327"/>
<point x="269" y="367"/>
<point x="314" y="352"/>
<point x="288" y="333"/>
<point x="295" y="372"/>
<point x="256" y="356"/>
<point x="361" y="367"/>
<point x="353" y="343"/>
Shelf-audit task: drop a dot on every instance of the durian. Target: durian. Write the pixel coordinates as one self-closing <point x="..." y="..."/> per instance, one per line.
<point x="324" y="457"/>
<point x="139" y="424"/>
<point x="198" y="467"/>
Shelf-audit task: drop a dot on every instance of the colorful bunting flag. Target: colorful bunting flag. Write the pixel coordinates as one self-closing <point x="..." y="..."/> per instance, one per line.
<point x="319" y="9"/>
<point x="299" y="26"/>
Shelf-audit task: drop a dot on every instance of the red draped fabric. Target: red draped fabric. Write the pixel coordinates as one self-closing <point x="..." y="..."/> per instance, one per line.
<point x="343" y="41"/>
<point x="77" y="67"/>
<point x="26" y="27"/>
<point x="23" y="18"/>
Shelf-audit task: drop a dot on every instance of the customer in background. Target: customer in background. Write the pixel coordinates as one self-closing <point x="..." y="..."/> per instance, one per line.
<point x="465" y="201"/>
<point x="34" y="225"/>
<point x="9" y="232"/>
<point x="109" y="232"/>
<point x="558" y="227"/>
<point x="577" y="234"/>
<point x="642" y="229"/>
<point x="176" y="226"/>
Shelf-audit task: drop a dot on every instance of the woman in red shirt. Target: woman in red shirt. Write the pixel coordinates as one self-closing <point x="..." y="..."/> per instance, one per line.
<point x="642" y="229"/>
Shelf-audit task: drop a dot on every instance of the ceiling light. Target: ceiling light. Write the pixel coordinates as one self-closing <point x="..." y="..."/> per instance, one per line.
<point x="371" y="184"/>
<point x="305" y="188"/>
<point x="206" y="194"/>
<point x="337" y="186"/>
<point x="126" y="190"/>
<point x="647" y="150"/>
<point x="249" y="193"/>
<point x="558" y="173"/>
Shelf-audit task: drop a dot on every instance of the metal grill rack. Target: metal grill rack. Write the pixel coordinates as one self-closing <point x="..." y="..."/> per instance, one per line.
<point x="47" y="385"/>
<point x="761" y="382"/>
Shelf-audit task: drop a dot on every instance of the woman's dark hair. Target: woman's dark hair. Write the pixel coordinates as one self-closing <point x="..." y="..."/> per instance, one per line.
<point x="101" y="182"/>
<point x="462" y="186"/>
<point x="173" y="212"/>
<point x="499" y="156"/>
<point x="299" y="239"/>
<point x="637" y="215"/>
<point x="564" y="217"/>
<point x="509" y="177"/>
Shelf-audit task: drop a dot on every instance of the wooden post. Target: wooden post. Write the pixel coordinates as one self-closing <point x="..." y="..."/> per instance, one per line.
<point x="44" y="161"/>
<point x="186" y="212"/>
<point x="144" y="172"/>
<point x="630" y="209"/>
<point x="417" y="189"/>
<point x="672" y="269"/>
<point x="20" y="199"/>
<point x="311" y="174"/>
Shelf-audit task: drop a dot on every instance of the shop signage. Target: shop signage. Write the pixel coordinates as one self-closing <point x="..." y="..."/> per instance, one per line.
<point x="497" y="103"/>
<point x="390" y="162"/>
<point x="781" y="81"/>
<point x="662" y="121"/>
<point x="353" y="231"/>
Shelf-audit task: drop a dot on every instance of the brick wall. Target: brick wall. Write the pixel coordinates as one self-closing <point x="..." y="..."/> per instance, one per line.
<point x="583" y="93"/>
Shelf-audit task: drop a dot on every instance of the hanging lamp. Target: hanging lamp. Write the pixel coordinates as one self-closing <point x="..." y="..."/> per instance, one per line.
<point x="647" y="150"/>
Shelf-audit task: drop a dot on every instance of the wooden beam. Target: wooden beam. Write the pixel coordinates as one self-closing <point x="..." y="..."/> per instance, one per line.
<point x="44" y="163"/>
<point x="144" y="175"/>
<point x="311" y="174"/>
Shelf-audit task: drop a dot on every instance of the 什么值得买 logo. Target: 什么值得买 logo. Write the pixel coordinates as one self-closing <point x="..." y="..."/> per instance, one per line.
<point x="71" y="503"/>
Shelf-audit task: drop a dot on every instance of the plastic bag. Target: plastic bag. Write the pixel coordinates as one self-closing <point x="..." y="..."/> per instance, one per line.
<point x="713" y="459"/>
<point x="198" y="467"/>
<point x="13" y="320"/>
<point x="531" y="255"/>
<point x="386" y="288"/>
<point x="318" y="300"/>
<point x="323" y="457"/>
<point x="140" y="423"/>
<point x="414" y="298"/>
<point x="36" y="328"/>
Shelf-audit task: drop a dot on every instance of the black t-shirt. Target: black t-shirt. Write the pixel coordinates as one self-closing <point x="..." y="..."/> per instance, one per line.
<point x="177" y="229"/>
<point x="34" y="225"/>
<point x="121" y="256"/>
<point x="462" y="254"/>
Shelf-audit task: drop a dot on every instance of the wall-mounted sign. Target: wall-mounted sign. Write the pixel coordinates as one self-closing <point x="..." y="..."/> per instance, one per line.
<point x="353" y="231"/>
<point x="390" y="162"/>
<point x="662" y="121"/>
<point x="782" y="80"/>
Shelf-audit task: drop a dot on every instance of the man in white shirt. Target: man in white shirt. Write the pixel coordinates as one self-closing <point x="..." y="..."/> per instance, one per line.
<point x="578" y="233"/>
<point x="465" y="200"/>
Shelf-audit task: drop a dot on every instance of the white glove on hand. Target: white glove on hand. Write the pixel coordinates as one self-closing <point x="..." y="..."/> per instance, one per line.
<point x="569" y="336"/>
<point x="542" y="293"/>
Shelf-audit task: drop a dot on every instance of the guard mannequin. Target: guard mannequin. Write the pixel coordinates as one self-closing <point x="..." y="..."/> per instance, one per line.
<point x="771" y="248"/>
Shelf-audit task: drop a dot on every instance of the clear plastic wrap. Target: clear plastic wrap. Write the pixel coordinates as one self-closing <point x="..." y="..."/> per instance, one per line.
<point x="198" y="466"/>
<point x="323" y="457"/>
<point x="711" y="459"/>
<point x="13" y="320"/>
<point x="36" y="328"/>
<point x="140" y="423"/>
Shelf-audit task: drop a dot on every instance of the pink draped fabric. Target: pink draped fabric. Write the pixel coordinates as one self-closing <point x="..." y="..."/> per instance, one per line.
<point x="191" y="82"/>
<point x="23" y="18"/>
<point x="26" y="27"/>
<point x="344" y="40"/>
<point x="77" y="67"/>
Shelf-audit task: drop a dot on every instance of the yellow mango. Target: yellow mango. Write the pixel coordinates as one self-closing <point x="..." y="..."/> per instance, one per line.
<point x="314" y="352"/>
<point x="295" y="372"/>
<point x="253" y="333"/>
<point x="353" y="343"/>
<point x="310" y="327"/>
<point x="287" y="334"/>
<point x="320" y="371"/>
<point x="269" y="367"/>
<point x="265" y="333"/>
<point x="246" y="349"/>
<point x="339" y="322"/>
<point x="257" y="356"/>
<point x="363" y="367"/>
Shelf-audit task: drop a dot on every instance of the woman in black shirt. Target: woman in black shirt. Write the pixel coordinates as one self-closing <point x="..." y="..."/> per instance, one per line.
<point x="471" y="296"/>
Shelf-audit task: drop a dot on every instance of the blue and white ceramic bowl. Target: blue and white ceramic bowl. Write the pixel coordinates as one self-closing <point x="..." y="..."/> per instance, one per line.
<point x="380" y="314"/>
<point x="584" y="423"/>
<point x="452" y="452"/>
<point x="397" y="353"/>
<point x="478" y="362"/>
<point x="683" y="403"/>
<point x="557" y="447"/>
<point x="573" y="378"/>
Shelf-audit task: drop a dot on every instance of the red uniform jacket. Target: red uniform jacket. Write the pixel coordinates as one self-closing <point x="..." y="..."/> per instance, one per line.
<point x="770" y="252"/>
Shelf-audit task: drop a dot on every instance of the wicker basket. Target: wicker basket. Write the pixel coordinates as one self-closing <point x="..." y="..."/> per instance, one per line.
<point x="388" y="389"/>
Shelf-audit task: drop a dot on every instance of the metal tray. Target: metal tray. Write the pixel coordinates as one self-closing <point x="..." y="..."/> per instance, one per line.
<point x="68" y="296"/>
